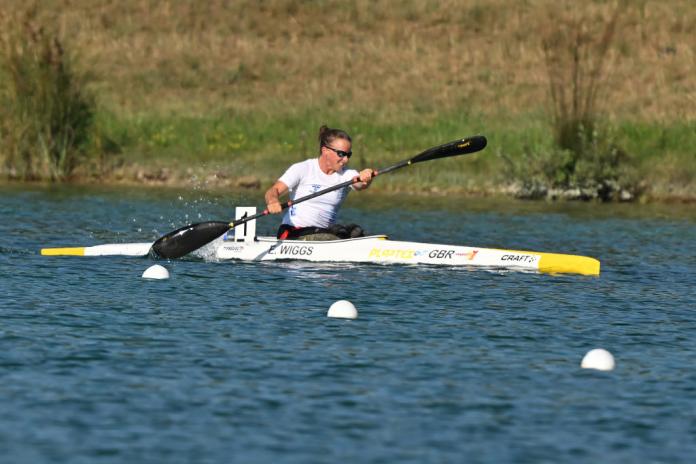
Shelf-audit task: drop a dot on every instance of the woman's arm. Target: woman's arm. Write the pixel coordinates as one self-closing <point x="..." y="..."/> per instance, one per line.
<point x="273" y="195"/>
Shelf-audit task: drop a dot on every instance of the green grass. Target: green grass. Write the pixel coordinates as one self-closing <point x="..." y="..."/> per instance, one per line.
<point x="263" y="145"/>
<point x="241" y="88"/>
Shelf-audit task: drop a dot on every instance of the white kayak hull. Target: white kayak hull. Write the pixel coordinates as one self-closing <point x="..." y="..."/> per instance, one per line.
<point x="376" y="249"/>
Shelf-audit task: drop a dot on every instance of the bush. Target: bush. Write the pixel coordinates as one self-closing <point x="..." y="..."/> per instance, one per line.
<point x="586" y="159"/>
<point x="604" y="171"/>
<point x="46" y="115"/>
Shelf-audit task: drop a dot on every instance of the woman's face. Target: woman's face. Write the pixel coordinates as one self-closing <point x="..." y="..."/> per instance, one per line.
<point x="334" y="161"/>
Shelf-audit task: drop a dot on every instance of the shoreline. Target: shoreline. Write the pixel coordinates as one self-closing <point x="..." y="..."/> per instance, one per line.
<point x="217" y="180"/>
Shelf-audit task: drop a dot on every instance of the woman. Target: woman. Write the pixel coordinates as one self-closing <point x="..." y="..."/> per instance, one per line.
<point x="318" y="215"/>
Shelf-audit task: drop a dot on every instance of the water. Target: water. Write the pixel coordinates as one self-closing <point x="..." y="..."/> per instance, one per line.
<point x="235" y="362"/>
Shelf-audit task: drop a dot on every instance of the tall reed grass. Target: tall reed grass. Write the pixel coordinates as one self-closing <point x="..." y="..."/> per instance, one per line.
<point x="575" y="51"/>
<point x="576" y="48"/>
<point x="46" y="113"/>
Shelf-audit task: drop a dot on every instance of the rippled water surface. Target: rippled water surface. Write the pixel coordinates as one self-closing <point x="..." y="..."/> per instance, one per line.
<point x="236" y="362"/>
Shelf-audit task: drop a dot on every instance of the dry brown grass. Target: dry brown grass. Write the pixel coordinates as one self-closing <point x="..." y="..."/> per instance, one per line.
<point x="393" y="59"/>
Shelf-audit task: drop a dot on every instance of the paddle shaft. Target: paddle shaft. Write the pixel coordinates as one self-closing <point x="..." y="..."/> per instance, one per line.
<point x="458" y="147"/>
<point x="289" y="203"/>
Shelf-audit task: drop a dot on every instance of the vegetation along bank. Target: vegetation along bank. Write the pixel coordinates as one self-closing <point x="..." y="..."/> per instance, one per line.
<point x="591" y="101"/>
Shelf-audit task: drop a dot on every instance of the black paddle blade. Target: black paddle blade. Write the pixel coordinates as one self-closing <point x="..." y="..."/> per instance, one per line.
<point x="458" y="147"/>
<point x="187" y="239"/>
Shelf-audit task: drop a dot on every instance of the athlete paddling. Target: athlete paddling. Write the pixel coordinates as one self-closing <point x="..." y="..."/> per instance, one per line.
<point x="316" y="218"/>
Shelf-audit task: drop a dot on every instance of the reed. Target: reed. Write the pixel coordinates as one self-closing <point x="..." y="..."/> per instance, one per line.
<point x="575" y="50"/>
<point x="46" y="115"/>
<point x="586" y="157"/>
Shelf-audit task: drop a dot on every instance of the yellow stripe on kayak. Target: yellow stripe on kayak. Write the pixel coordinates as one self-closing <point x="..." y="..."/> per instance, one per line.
<point x="552" y="263"/>
<point x="76" y="251"/>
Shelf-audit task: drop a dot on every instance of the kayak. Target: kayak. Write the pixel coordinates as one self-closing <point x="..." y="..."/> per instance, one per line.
<point x="230" y="241"/>
<point x="374" y="249"/>
<point x="237" y="240"/>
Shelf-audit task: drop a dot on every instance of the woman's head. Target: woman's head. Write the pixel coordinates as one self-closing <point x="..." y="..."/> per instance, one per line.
<point x="328" y="135"/>
<point x="335" y="146"/>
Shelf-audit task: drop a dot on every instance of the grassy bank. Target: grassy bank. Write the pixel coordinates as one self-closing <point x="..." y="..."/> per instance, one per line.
<point x="256" y="149"/>
<point x="232" y="90"/>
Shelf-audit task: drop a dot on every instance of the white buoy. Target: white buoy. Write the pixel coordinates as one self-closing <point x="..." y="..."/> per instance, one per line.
<point x="599" y="359"/>
<point x="343" y="309"/>
<point x="156" y="272"/>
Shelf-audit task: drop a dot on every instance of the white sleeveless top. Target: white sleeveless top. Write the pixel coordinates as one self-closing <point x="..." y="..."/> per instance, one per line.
<point x="305" y="178"/>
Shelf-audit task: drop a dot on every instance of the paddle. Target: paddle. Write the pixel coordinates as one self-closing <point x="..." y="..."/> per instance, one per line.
<point x="193" y="236"/>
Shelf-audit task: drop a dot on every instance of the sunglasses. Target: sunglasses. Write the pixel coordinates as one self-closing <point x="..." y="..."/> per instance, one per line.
<point x="340" y="153"/>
